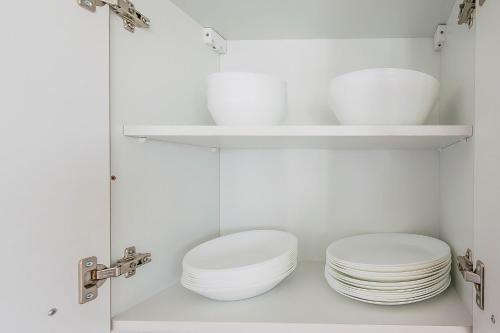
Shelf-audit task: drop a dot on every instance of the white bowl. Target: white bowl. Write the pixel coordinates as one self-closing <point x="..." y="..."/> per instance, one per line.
<point x="246" y="99"/>
<point x="242" y="292"/>
<point x="383" y="96"/>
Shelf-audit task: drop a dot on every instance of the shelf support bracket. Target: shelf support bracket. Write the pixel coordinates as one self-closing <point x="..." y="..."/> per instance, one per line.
<point x="440" y="37"/>
<point x="214" y="40"/>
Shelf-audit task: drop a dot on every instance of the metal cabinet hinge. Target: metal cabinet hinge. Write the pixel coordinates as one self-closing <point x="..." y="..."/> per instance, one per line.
<point x="123" y="8"/>
<point x="467" y="9"/>
<point x="474" y="275"/>
<point x="92" y="275"/>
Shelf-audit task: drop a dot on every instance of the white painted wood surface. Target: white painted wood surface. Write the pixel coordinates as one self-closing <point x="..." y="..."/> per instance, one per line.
<point x="487" y="162"/>
<point x="165" y="198"/>
<point x="324" y="195"/>
<point x="456" y="164"/>
<point x="278" y="19"/>
<point x="338" y="137"/>
<point x="54" y="178"/>
<point x="302" y="303"/>
<point x="309" y="65"/>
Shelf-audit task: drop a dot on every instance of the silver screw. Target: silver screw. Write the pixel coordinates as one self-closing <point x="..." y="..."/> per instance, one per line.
<point x="52" y="312"/>
<point x="88" y="3"/>
<point x="89" y="264"/>
<point x="493" y="320"/>
<point x="89" y="296"/>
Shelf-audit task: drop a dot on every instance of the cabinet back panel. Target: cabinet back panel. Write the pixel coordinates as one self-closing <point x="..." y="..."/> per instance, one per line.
<point x="323" y="195"/>
<point x="308" y="66"/>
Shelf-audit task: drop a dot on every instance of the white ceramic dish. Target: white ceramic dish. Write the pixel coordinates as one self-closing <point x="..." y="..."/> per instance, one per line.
<point x="240" y="251"/>
<point x="366" y="275"/>
<point x="389" y="296"/>
<point x="239" y="293"/>
<point x="285" y="261"/>
<point x="407" y="301"/>
<point x="385" y="269"/>
<point x="238" y="280"/>
<point x="378" y="278"/>
<point x="388" y="252"/>
<point x="246" y="99"/>
<point x="383" y="96"/>
<point x="240" y="265"/>
<point x="389" y="286"/>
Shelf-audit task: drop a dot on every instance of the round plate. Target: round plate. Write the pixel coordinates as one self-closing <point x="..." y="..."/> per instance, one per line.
<point x="390" y="251"/>
<point x="386" y="285"/>
<point x="391" y="276"/>
<point x="385" y="279"/>
<point x="385" y="296"/>
<point x="407" y="301"/>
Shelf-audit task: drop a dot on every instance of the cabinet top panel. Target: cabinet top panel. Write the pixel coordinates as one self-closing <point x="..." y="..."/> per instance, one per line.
<point x="303" y="19"/>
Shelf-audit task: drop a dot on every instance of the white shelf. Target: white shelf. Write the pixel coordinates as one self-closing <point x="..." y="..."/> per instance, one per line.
<point x="302" y="303"/>
<point x="329" y="137"/>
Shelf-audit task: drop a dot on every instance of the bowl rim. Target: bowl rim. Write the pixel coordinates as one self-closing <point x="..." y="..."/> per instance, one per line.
<point x="247" y="73"/>
<point x="393" y="69"/>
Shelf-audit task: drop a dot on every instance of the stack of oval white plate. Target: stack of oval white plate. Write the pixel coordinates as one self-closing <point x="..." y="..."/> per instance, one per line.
<point x="240" y="265"/>
<point x="388" y="269"/>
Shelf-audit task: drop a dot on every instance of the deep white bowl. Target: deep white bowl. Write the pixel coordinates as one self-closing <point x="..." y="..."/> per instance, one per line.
<point x="246" y="99"/>
<point x="383" y="96"/>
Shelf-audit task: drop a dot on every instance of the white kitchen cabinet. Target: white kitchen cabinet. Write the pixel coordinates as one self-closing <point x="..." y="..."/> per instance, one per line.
<point x="94" y="102"/>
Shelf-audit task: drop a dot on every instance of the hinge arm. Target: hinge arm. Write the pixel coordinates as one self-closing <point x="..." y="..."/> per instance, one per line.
<point x="123" y="8"/>
<point x="474" y="275"/>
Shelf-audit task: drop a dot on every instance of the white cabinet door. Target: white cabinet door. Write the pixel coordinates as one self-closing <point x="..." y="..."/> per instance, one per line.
<point x="54" y="164"/>
<point x="487" y="168"/>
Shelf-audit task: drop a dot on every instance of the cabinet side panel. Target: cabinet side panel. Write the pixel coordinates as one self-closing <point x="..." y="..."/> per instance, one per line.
<point x="165" y="198"/>
<point x="457" y="162"/>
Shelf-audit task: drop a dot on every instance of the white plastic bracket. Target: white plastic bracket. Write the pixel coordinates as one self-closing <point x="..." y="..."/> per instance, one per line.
<point x="214" y="40"/>
<point x="440" y="37"/>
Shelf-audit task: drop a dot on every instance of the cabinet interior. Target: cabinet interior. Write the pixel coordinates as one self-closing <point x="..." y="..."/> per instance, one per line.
<point x="168" y="197"/>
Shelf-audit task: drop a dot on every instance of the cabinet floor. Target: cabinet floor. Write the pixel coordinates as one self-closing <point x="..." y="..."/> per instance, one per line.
<point x="302" y="303"/>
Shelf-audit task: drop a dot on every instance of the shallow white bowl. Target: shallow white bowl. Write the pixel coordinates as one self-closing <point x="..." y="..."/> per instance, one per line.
<point x="383" y="96"/>
<point x="241" y="251"/>
<point x="246" y="99"/>
<point x="241" y="292"/>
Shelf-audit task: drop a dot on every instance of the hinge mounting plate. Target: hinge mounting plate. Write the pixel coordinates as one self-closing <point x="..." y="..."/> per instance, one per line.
<point x="123" y="8"/>
<point x="92" y="275"/>
<point x="474" y="275"/>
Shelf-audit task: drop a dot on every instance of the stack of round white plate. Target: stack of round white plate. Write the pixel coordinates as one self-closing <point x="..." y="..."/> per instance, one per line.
<point x="388" y="269"/>
<point x="240" y="265"/>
